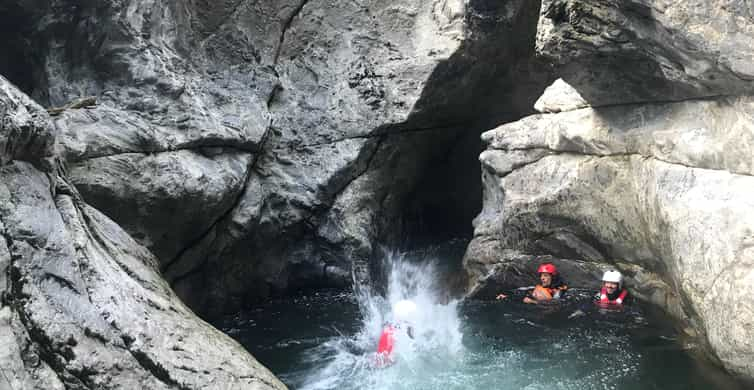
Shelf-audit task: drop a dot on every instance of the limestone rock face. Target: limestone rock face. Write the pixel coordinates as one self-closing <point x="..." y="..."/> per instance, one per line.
<point x="654" y="179"/>
<point x="560" y="96"/>
<point x="180" y="193"/>
<point x="635" y="51"/>
<point x="665" y="187"/>
<point x="27" y="134"/>
<point x="82" y="304"/>
<point x="260" y="146"/>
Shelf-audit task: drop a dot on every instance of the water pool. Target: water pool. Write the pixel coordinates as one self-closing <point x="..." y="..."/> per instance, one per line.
<point x="326" y="340"/>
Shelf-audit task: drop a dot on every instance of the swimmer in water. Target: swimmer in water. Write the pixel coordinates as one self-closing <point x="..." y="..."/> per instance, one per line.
<point x="550" y="286"/>
<point x="403" y="313"/>
<point x="613" y="296"/>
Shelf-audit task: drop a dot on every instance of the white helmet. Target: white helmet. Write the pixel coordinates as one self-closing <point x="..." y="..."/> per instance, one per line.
<point x="613" y="277"/>
<point x="403" y="310"/>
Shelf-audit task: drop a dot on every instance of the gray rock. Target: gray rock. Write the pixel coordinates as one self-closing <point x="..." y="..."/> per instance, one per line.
<point x="181" y="193"/>
<point x="95" y="305"/>
<point x="82" y="304"/>
<point x="20" y="364"/>
<point x="325" y="128"/>
<point x="615" y="52"/>
<point x="26" y="131"/>
<point x="708" y="133"/>
<point x="560" y="96"/>
<point x="319" y="97"/>
<point x="662" y="189"/>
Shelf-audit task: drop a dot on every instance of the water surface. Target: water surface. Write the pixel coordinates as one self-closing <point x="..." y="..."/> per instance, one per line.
<point x="327" y="340"/>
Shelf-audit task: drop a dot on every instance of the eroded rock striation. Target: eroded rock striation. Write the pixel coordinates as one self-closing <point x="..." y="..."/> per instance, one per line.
<point x="641" y="159"/>
<point x="82" y="304"/>
<point x="262" y="146"/>
<point x="258" y="147"/>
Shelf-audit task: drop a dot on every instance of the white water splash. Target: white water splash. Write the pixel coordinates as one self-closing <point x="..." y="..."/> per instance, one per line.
<point x="436" y="346"/>
<point x="506" y="345"/>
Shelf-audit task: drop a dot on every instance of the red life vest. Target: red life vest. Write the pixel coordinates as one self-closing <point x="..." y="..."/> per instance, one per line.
<point x="616" y="301"/>
<point x="387" y="341"/>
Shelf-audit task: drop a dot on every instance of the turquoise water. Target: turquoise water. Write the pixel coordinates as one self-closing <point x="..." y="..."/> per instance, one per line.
<point x="327" y="340"/>
<point x="505" y="346"/>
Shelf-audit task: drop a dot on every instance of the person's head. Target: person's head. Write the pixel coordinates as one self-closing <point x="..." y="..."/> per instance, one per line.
<point x="545" y="279"/>
<point x="547" y="272"/>
<point x="612" y="281"/>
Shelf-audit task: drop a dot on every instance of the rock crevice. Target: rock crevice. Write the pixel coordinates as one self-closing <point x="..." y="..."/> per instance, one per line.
<point x="84" y="305"/>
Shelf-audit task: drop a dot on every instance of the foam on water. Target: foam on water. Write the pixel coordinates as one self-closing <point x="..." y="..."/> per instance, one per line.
<point x="437" y="358"/>
<point x="326" y="341"/>
<point x="436" y="346"/>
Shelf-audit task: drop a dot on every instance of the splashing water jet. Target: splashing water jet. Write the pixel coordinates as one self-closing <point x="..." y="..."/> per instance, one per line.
<point x="436" y="344"/>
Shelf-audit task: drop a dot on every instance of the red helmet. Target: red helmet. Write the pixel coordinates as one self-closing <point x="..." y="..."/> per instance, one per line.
<point x="548" y="268"/>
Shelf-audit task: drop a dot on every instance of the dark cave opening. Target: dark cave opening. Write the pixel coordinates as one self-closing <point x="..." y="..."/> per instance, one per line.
<point x="486" y="83"/>
<point x="19" y="60"/>
<point x="449" y="194"/>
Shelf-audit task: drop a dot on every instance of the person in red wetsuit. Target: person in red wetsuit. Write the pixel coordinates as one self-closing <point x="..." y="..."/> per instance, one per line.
<point x="387" y="340"/>
<point x="612" y="293"/>
<point x="403" y="311"/>
<point x="550" y="286"/>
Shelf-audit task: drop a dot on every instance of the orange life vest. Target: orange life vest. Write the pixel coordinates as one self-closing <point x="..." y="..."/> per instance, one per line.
<point x="549" y="292"/>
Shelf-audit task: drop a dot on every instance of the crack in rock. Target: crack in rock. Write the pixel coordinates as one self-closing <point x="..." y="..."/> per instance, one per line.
<point x="286" y="26"/>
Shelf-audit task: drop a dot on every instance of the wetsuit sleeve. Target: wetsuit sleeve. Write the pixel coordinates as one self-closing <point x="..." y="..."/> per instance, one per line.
<point x="520" y="292"/>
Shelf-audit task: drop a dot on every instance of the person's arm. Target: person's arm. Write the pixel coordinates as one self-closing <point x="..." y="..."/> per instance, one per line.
<point x="529" y="297"/>
<point x="517" y="291"/>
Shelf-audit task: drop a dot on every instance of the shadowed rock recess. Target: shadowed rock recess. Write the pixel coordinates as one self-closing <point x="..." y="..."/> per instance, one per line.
<point x="640" y="159"/>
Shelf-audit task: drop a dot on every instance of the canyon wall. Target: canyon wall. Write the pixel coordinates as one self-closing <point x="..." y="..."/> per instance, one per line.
<point x="640" y="159"/>
<point x="82" y="305"/>
<point x="258" y="147"/>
